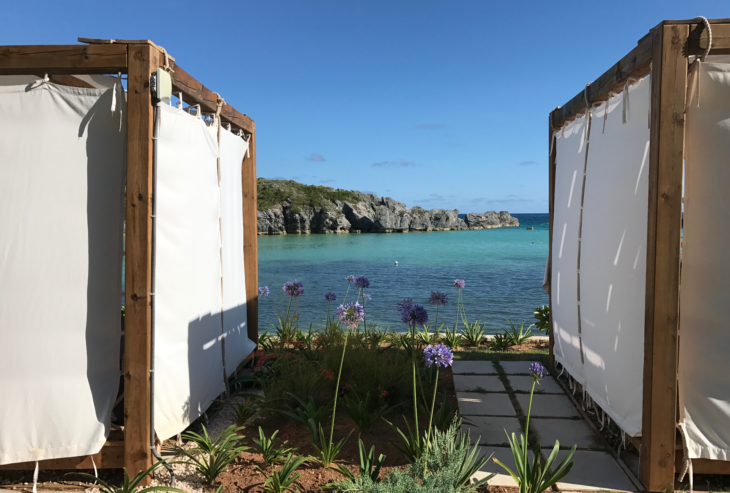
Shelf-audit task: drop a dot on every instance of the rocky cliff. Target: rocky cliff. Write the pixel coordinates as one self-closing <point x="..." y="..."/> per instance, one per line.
<point x="288" y="207"/>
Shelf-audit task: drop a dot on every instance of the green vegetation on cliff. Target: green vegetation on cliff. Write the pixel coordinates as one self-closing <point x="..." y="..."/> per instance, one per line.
<point x="273" y="192"/>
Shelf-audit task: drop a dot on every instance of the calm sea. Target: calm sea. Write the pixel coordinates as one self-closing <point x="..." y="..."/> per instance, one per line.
<point x="503" y="269"/>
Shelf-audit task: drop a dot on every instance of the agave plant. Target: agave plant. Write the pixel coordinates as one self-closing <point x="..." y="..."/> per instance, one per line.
<point x="272" y="452"/>
<point x="284" y="480"/>
<point x="211" y="457"/>
<point x="369" y="466"/>
<point x="474" y="333"/>
<point x="517" y="337"/>
<point x="452" y="338"/>
<point x="500" y="342"/>
<point x="428" y="337"/>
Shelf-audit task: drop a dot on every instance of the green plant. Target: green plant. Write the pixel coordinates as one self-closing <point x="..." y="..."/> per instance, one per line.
<point x="538" y="477"/>
<point x="542" y="315"/>
<point x="473" y="334"/>
<point x="362" y="412"/>
<point x="266" y="341"/>
<point x="129" y="485"/>
<point x="327" y="450"/>
<point x="452" y="338"/>
<point x="412" y="446"/>
<point x="500" y="342"/>
<point x="369" y="467"/>
<point x="242" y="411"/>
<point x="517" y="337"/>
<point x="211" y="457"/>
<point x="376" y="337"/>
<point x="284" y="480"/>
<point x="428" y="337"/>
<point x="446" y="413"/>
<point x="272" y="453"/>
<point x="309" y="414"/>
<point x="296" y="210"/>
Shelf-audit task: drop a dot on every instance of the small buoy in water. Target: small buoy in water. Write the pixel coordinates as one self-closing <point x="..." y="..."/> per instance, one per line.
<point x="396" y="263"/>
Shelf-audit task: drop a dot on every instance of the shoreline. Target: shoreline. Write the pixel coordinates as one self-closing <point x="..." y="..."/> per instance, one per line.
<point x="387" y="231"/>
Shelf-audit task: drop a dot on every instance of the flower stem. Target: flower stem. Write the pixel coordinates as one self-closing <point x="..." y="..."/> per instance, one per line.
<point x="415" y="392"/>
<point x="286" y="322"/>
<point x="527" y="424"/>
<point x="348" y="290"/>
<point x="337" y="388"/>
<point x="430" y="419"/>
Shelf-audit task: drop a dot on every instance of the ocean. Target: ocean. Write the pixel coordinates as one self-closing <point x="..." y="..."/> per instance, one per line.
<point x="503" y="269"/>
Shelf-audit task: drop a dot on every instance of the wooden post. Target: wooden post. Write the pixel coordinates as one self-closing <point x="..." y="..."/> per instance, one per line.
<point x="142" y="61"/>
<point x="551" y="209"/>
<point x="669" y="79"/>
<point x="250" y="239"/>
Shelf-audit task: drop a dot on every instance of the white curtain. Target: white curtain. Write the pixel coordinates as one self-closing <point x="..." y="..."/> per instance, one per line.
<point x="237" y="344"/>
<point x="613" y="256"/>
<point x="704" y="365"/>
<point x="62" y="162"/>
<point x="188" y="324"/>
<point x="570" y="161"/>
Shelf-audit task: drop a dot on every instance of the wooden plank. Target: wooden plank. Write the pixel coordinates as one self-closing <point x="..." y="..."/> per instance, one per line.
<point x="551" y="208"/>
<point x="111" y="456"/>
<point x="251" y="240"/>
<point x="191" y="88"/>
<point x="143" y="60"/>
<point x="669" y="80"/>
<point x="635" y="64"/>
<point x="706" y="466"/>
<point x="697" y="41"/>
<point x="67" y="80"/>
<point x="63" y="59"/>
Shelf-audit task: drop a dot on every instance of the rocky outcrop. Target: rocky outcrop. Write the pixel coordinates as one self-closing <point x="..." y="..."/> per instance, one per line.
<point x="371" y="214"/>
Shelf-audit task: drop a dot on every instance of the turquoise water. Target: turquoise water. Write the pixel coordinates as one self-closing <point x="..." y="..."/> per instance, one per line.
<point x="503" y="269"/>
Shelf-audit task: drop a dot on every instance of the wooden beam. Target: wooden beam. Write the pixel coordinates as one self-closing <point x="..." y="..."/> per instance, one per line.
<point x="705" y="466"/>
<point x="669" y="79"/>
<point x="697" y="41"/>
<point x="67" y="80"/>
<point x="63" y="59"/>
<point x="111" y="456"/>
<point x="635" y="64"/>
<point x="551" y="208"/>
<point x="143" y="60"/>
<point x="250" y="240"/>
<point x="191" y="88"/>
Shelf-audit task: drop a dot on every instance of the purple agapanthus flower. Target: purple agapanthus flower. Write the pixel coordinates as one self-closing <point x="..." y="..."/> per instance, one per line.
<point x="329" y="296"/>
<point x="438" y="298"/>
<point x="264" y="290"/>
<point x="459" y="283"/>
<point x="351" y="314"/>
<point x="537" y="371"/>
<point x="414" y="315"/>
<point x="405" y="305"/>
<point x="362" y="282"/>
<point x="350" y="278"/>
<point x="438" y="355"/>
<point x="367" y="297"/>
<point x="293" y="288"/>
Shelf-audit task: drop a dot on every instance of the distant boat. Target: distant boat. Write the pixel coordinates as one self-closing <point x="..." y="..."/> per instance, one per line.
<point x="530" y="227"/>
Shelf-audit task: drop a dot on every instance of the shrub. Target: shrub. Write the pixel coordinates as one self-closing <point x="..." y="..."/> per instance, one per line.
<point x="500" y="342"/>
<point x="211" y="457"/>
<point x="473" y="333"/>
<point x="296" y="210"/>
<point x="362" y="411"/>
<point x="452" y="338"/>
<point x="129" y="485"/>
<point x="369" y="467"/>
<point x="271" y="451"/>
<point x="310" y="414"/>
<point x="285" y="479"/>
<point x="542" y="315"/>
<point x="517" y="337"/>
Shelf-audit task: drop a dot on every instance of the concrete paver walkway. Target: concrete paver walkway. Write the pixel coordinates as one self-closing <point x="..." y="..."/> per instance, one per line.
<point x="494" y="396"/>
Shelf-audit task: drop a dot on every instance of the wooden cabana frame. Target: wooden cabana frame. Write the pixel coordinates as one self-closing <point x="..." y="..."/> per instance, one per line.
<point x="139" y="59"/>
<point x="664" y="52"/>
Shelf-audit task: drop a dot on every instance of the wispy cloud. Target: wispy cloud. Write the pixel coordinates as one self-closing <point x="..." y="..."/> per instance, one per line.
<point x="317" y="158"/>
<point x="528" y="163"/>
<point x="430" y="126"/>
<point x="327" y="181"/>
<point x="434" y="197"/>
<point x="401" y="163"/>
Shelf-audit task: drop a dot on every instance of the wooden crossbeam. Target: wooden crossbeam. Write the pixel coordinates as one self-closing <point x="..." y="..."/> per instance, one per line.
<point x="63" y="59"/>
<point x="191" y="88"/>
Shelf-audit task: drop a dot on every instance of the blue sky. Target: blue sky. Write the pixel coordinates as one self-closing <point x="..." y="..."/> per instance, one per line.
<point x="441" y="104"/>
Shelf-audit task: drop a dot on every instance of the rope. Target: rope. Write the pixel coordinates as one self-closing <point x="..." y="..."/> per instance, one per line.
<point x="709" y="36"/>
<point x="686" y="461"/>
<point x="694" y="68"/>
<point x="166" y="65"/>
<point x="605" y="113"/>
<point x="96" y="473"/>
<point x="35" y="478"/>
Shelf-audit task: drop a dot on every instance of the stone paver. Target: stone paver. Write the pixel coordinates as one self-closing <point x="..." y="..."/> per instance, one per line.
<point x="471" y="382"/>
<point x="547" y="385"/>
<point x="548" y="406"/>
<point x="479" y="367"/>
<point x="568" y="432"/>
<point x="511" y="367"/>
<point x="491" y="429"/>
<point x="594" y="471"/>
<point x="502" y="478"/>
<point x="474" y="403"/>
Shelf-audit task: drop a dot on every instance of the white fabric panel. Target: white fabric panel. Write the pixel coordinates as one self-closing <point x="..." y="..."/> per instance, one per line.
<point x="704" y="366"/>
<point x="62" y="161"/>
<point x="613" y="257"/>
<point x="570" y="161"/>
<point x="188" y="361"/>
<point x="238" y="345"/>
